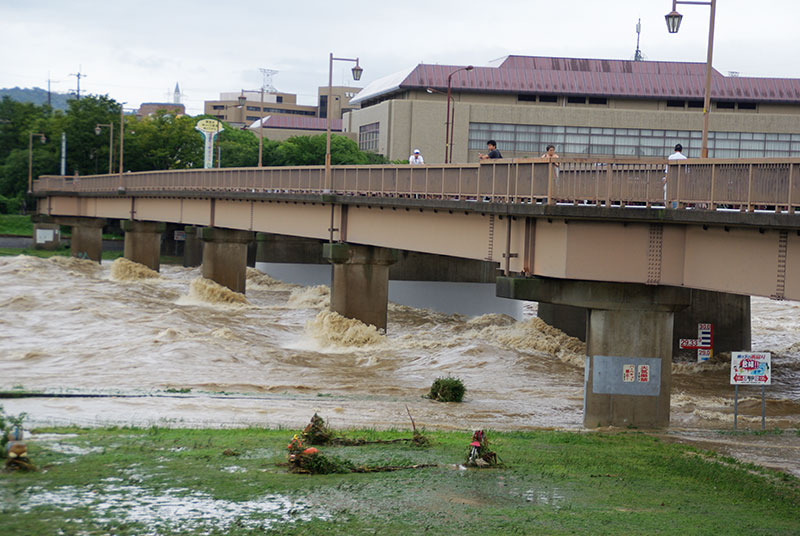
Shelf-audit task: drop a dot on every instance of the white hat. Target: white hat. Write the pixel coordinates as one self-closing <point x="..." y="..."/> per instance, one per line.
<point x="416" y="151"/>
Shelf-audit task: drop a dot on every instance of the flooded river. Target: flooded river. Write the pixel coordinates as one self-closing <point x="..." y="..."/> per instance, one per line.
<point x="175" y="349"/>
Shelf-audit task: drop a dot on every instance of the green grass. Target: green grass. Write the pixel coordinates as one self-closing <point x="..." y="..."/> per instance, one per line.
<point x="551" y="483"/>
<point x="15" y="225"/>
<point x="21" y="225"/>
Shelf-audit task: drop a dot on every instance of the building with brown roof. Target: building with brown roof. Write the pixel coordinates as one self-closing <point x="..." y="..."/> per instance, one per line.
<point x="585" y="107"/>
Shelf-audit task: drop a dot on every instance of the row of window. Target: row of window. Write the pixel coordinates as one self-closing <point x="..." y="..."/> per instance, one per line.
<point x="533" y="139"/>
<point x="692" y="104"/>
<point x="368" y="137"/>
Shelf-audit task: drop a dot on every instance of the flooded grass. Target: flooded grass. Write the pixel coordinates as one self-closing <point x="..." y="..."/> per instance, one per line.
<point x="128" y="481"/>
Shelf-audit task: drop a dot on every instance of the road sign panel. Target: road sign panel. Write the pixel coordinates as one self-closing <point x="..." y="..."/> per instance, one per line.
<point x="748" y="368"/>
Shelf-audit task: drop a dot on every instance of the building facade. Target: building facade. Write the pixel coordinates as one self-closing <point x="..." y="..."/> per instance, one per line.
<point x="585" y="107"/>
<point x="242" y="109"/>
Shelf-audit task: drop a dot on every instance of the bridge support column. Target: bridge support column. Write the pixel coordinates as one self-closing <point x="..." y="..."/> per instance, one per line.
<point x="143" y="242"/>
<point x="87" y="235"/>
<point x="192" y="247"/>
<point x="360" y="281"/>
<point x="628" y="374"/>
<point x="225" y="256"/>
<point x="729" y="313"/>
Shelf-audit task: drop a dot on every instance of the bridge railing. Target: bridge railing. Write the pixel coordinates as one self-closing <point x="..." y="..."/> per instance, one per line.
<point x="699" y="183"/>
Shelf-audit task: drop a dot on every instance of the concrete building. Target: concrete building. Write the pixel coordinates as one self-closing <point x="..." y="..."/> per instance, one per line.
<point x="231" y="109"/>
<point x="585" y="107"/>
<point x="151" y="108"/>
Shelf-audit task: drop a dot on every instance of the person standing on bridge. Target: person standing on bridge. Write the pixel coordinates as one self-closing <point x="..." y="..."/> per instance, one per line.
<point x="493" y="152"/>
<point x="677" y="155"/>
<point x="416" y="158"/>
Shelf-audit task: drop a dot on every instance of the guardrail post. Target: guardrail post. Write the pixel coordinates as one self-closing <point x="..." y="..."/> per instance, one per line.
<point x="791" y="208"/>
<point x="550" y="183"/>
<point x="750" y="188"/>
<point x="712" y="205"/>
<point x="609" y="175"/>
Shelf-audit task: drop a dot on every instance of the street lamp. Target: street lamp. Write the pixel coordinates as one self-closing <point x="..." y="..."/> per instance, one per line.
<point x="97" y="130"/>
<point x="447" y="123"/>
<point x="121" y="186"/>
<point x="260" y="127"/>
<point x="357" y="70"/>
<point x="673" y="19"/>
<point x="449" y="156"/>
<point x="241" y="99"/>
<point x="43" y="139"/>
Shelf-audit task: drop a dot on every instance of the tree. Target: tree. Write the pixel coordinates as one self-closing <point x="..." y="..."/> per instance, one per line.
<point x="162" y="141"/>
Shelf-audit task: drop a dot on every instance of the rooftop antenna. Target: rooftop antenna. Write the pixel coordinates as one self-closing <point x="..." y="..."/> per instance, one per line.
<point x="638" y="56"/>
<point x="267" y="85"/>
<point x="78" y="75"/>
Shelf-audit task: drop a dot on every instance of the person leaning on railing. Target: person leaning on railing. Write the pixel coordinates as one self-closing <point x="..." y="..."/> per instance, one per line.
<point x="677" y="155"/>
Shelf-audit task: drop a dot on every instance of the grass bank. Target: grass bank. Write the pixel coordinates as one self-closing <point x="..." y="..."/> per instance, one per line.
<point x="21" y="225"/>
<point x="15" y="225"/>
<point x="127" y="481"/>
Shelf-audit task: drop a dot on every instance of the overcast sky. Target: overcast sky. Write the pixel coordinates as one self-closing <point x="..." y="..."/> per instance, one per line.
<point x="137" y="51"/>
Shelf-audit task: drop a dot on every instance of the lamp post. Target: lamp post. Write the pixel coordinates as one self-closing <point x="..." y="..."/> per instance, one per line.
<point x="357" y="70"/>
<point x="121" y="139"/>
<point x="97" y="130"/>
<point x="673" y="19"/>
<point x="449" y="143"/>
<point x="447" y="124"/>
<point x="43" y="139"/>
<point x="260" y="127"/>
<point x="241" y="100"/>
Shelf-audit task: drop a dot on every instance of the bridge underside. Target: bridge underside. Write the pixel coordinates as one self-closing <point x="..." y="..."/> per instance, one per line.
<point x="712" y="251"/>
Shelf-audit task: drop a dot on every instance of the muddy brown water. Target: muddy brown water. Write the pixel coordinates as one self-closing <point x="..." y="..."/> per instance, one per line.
<point x="208" y="357"/>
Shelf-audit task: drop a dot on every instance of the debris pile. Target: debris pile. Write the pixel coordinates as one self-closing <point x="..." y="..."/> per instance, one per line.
<point x="317" y="433"/>
<point x="479" y="453"/>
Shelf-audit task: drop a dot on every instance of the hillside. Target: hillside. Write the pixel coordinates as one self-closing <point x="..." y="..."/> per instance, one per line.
<point x="37" y="96"/>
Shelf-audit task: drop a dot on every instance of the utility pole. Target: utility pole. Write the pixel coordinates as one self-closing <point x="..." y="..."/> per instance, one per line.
<point x="78" y="75"/>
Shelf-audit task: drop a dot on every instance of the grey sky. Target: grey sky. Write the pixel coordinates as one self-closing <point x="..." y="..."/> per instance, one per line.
<point x="137" y="51"/>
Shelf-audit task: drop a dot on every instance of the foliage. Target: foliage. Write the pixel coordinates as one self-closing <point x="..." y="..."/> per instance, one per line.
<point x="159" y="141"/>
<point x="8" y="423"/>
<point x="15" y="225"/>
<point x="447" y="390"/>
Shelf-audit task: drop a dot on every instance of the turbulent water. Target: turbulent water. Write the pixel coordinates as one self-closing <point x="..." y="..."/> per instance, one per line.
<point x="177" y="349"/>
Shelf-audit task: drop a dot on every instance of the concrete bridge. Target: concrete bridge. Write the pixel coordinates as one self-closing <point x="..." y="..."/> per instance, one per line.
<point x="622" y="239"/>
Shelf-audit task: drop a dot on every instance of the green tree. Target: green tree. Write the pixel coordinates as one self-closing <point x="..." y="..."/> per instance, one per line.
<point x="162" y="141"/>
<point x="310" y="151"/>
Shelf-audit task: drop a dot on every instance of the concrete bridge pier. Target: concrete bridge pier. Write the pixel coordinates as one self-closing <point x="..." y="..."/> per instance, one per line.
<point x="193" y="247"/>
<point x="360" y="281"/>
<point x="143" y="242"/>
<point x="87" y="236"/>
<point x="225" y="256"/>
<point x="628" y="370"/>
<point x="729" y="314"/>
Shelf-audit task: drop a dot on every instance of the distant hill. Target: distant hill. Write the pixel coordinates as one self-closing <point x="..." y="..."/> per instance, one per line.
<point x="37" y="96"/>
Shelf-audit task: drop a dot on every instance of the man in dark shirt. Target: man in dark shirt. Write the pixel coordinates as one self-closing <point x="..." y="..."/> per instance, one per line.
<point x="493" y="152"/>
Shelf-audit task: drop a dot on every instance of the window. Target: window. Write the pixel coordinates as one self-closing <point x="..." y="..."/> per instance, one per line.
<point x="218" y="107"/>
<point x="747" y="105"/>
<point x="675" y="104"/>
<point x="279" y="98"/>
<point x="531" y="140"/>
<point x="695" y="104"/>
<point x="598" y="100"/>
<point x="368" y="136"/>
<point x="726" y="105"/>
<point x="548" y="98"/>
<point x="576" y="100"/>
<point x="253" y="109"/>
<point x="526" y="98"/>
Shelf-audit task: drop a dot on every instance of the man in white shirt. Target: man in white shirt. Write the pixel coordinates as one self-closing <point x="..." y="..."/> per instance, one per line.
<point x="677" y="155"/>
<point x="416" y="158"/>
